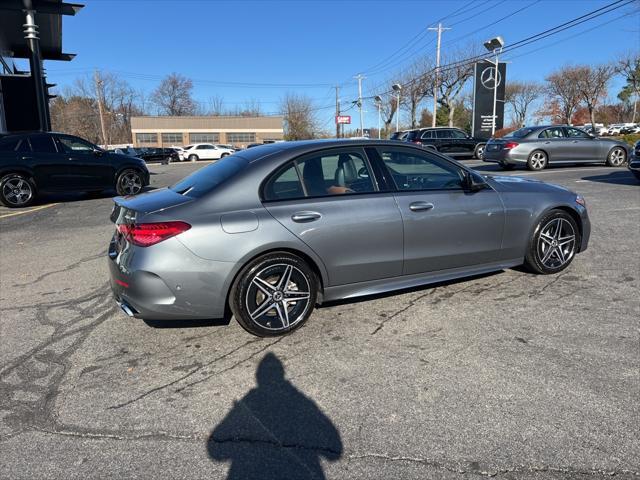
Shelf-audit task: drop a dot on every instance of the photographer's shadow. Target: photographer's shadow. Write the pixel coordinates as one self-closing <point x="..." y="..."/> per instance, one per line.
<point x="274" y="431"/>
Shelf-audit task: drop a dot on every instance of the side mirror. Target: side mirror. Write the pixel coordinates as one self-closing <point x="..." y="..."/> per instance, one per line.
<point x="97" y="152"/>
<point x="475" y="182"/>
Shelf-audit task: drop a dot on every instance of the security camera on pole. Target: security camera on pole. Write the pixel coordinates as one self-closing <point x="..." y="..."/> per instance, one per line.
<point x="495" y="45"/>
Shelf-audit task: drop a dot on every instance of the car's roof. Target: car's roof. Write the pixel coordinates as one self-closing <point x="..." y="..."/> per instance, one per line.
<point x="301" y="147"/>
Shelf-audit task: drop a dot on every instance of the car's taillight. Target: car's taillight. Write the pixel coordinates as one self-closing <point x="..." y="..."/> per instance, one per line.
<point x="417" y="142"/>
<point x="510" y="145"/>
<point x="147" y="234"/>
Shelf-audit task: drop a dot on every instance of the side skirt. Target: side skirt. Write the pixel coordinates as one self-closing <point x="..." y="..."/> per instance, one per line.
<point x="383" y="285"/>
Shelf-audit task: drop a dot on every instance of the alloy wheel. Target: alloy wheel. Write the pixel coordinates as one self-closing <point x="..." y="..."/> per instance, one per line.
<point x="131" y="183"/>
<point x="278" y="297"/>
<point x="17" y="191"/>
<point x="538" y="160"/>
<point x="480" y="152"/>
<point x="616" y="157"/>
<point x="556" y="243"/>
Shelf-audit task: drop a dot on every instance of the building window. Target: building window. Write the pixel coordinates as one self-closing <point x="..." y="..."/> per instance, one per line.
<point x="146" y="138"/>
<point x="171" y="138"/>
<point x="241" y="137"/>
<point x="204" y="137"/>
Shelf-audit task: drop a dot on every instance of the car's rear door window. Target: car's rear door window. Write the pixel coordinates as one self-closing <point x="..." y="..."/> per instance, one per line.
<point x="555" y="132"/>
<point x="427" y="135"/>
<point x="42" y="144"/>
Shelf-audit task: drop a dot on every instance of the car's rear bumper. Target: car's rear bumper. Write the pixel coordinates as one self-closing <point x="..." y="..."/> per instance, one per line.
<point x="504" y="157"/>
<point x="167" y="281"/>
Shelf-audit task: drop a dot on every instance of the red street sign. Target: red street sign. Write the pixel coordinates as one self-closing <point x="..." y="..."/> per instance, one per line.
<point x="343" y="119"/>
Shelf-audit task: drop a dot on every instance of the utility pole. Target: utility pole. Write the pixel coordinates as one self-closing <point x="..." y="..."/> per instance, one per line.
<point x="337" y="111"/>
<point x="439" y="29"/>
<point x="359" y="77"/>
<point x="98" y="82"/>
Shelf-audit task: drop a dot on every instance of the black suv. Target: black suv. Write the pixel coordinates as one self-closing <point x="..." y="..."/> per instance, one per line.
<point x="162" y="155"/>
<point x="450" y="141"/>
<point x="31" y="163"/>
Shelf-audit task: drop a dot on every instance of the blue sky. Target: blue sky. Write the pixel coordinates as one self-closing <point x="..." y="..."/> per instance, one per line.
<point x="308" y="46"/>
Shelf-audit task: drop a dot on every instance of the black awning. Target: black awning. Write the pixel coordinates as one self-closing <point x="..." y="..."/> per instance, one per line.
<point x="49" y="20"/>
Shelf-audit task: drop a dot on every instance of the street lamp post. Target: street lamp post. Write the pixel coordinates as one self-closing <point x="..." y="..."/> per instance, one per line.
<point x="378" y="100"/>
<point x="495" y="45"/>
<point x="397" y="88"/>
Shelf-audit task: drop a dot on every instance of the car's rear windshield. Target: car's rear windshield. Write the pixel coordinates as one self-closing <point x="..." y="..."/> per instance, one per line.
<point x="206" y="179"/>
<point x="520" y="133"/>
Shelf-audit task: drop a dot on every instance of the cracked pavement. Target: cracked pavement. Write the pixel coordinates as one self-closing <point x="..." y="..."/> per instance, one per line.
<point x="508" y="375"/>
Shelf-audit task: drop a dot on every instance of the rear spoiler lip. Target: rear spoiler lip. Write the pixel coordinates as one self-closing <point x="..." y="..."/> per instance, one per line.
<point x="174" y="200"/>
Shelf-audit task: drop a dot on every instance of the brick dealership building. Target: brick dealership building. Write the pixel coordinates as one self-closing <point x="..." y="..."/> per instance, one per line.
<point x="179" y="131"/>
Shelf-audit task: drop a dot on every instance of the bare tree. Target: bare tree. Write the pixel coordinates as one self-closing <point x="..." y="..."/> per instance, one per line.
<point x="562" y="88"/>
<point x="629" y="67"/>
<point x="299" y="118"/>
<point x="417" y="81"/>
<point x="591" y="83"/>
<point x="216" y="106"/>
<point x="173" y="96"/>
<point x="519" y="96"/>
<point x="453" y="77"/>
<point x="388" y="110"/>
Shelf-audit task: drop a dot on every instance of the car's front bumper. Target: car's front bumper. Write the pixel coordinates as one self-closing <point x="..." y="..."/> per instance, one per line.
<point x="167" y="281"/>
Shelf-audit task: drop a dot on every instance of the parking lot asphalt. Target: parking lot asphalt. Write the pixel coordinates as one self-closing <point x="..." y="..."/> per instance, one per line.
<point x="510" y="375"/>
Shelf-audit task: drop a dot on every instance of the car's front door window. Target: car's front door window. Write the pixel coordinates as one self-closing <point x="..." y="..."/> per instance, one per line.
<point x="75" y="145"/>
<point x="415" y="171"/>
<point x="575" y="133"/>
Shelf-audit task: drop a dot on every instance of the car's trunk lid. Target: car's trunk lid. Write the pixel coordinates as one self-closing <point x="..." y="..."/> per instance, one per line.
<point x="150" y="202"/>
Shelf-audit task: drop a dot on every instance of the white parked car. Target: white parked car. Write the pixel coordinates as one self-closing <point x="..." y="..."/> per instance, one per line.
<point x="614" y="129"/>
<point x="205" y="151"/>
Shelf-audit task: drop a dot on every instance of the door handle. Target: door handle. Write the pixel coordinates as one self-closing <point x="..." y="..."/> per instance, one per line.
<point x="420" y="206"/>
<point x="27" y="158"/>
<point x="303" y="217"/>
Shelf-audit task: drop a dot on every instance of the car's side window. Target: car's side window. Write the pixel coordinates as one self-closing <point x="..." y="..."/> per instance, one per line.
<point x="555" y="132"/>
<point x="575" y="133"/>
<point x="284" y="185"/>
<point x="336" y="174"/>
<point x="457" y="134"/>
<point x="74" y="145"/>
<point x="443" y="133"/>
<point x="421" y="170"/>
<point x="427" y="134"/>
<point x="42" y="144"/>
<point x="321" y="175"/>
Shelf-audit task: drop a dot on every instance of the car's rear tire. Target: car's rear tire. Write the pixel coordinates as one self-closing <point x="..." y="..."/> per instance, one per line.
<point x="224" y="155"/>
<point x="553" y="244"/>
<point x="616" y="157"/>
<point x="129" y="182"/>
<point x="537" y="160"/>
<point x="274" y="294"/>
<point x="193" y="158"/>
<point x="17" y="190"/>
<point x="479" y="151"/>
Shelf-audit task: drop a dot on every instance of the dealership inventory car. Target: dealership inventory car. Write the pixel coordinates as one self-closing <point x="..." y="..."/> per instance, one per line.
<point x="451" y="141"/>
<point x="33" y="163"/>
<point x="162" y="155"/>
<point x="274" y="230"/>
<point x="538" y="147"/>
<point x="205" y="151"/>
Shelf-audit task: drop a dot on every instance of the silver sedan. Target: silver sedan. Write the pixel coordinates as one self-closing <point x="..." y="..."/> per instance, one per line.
<point x="270" y="232"/>
<point x="537" y="147"/>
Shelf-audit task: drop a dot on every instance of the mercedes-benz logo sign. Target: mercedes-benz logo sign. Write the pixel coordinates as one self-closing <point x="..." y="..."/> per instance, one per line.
<point x="488" y="78"/>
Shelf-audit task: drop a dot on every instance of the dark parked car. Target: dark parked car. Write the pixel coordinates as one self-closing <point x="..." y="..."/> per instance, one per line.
<point x="634" y="162"/>
<point x="450" y="141"/>
<point x="537" y="147"/>
<point x="32" y="163"/>
<point x="272" y="231"/>
<point x="401" y="135"/>
<point x="162" y="155"/>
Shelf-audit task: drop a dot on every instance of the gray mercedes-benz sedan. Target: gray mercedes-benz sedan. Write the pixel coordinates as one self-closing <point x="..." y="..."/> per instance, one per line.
<point x="270" y="232"/>
<point x="538" y="147"/>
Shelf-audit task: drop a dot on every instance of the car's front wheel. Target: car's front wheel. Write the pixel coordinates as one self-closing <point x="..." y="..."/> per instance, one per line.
<point x="479" y="152"/>
<point x="16" y="190"/>
<point x="129" y="182"/>
<point x="554" y="243"/>
<point x="617" y="156"/>
<point x="274" y="294"/>
<point x="537" y="160"/>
